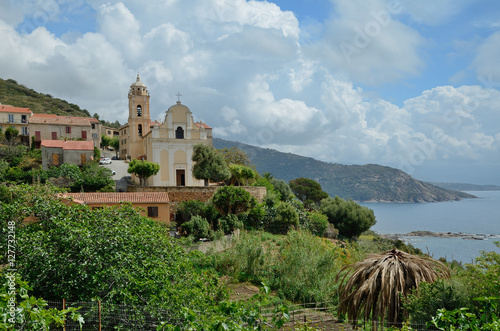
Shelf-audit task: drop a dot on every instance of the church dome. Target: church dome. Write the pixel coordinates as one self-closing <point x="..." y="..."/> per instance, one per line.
<point x="179" y="106"/>
<point x="138" y="83"/>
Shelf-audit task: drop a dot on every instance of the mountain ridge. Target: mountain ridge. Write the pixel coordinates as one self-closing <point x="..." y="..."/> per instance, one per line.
<point x="361" y="183"/>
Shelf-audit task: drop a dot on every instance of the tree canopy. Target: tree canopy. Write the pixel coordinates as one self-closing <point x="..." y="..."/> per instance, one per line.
<point x="241" y="174"/>
<point x="210" y="165"/>
<point x="143" y="169"/>
<point x="307" y="190"/>
<point x="234" y="155"/>
<point x="350" y="218"/>
<point x="233" y="200"/>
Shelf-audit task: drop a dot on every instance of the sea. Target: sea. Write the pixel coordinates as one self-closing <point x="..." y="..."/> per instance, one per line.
<point x="479" y="217"/>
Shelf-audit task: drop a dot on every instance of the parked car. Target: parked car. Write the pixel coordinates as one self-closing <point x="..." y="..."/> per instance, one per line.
<point x="113" y="172"/>
<point x="114" y="158"/>
<point x="105" y="160"/>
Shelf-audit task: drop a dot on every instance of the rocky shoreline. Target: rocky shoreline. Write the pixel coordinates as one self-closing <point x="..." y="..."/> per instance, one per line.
<point x="440" y="235"/>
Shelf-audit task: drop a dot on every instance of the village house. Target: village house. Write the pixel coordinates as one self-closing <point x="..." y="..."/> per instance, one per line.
<point x="155" y="205"/>
<point x="110" y="132"/>
<point x="169" y="144"/>
<point x="17" y="118"/>
<point x="54" y="127"/>
<point x="57" y="152"/>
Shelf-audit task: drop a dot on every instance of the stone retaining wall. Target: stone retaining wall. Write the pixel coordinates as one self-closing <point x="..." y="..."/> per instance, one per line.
<point x="200" y="193"/>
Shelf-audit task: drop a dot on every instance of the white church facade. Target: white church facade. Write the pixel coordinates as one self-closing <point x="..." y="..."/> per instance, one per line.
<point x="169" y="144"/>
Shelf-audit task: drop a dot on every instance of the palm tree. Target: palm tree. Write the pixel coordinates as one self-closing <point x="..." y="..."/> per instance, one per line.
<point x="375" y="288"/>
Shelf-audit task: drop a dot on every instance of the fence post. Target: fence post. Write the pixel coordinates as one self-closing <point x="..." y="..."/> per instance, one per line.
<point x="64" y="307"/>
<point x="99" y="313"/>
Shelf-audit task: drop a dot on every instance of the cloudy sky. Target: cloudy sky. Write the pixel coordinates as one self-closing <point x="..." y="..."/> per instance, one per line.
<point x="409" y="84"/>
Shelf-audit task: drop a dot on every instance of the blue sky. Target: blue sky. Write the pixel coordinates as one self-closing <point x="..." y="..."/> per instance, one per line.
<point x="407" y="84"/>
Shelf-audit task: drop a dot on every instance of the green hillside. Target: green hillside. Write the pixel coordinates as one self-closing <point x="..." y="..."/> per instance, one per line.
<point x="369" y="182"/>
<point x="14" y="94"/>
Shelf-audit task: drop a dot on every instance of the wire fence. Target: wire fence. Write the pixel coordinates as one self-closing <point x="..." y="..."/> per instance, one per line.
<point x="105" y="316"/>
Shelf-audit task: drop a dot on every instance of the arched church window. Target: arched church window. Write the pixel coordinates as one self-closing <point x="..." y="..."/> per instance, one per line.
<point x="139" y="110"/>
<point x="179" y="133"/>
<point x="139" y="130"/>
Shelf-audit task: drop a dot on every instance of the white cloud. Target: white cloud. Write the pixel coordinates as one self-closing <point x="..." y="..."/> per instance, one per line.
<point x="432" y="12"/>
<point x="121" y="28"/>
<point x="260" y="14"/>
<point x="366" y="41"/>
<point x="486" y="61"/>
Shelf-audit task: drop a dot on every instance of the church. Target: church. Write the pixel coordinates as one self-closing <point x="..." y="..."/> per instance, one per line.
<point x="169" y="144"/>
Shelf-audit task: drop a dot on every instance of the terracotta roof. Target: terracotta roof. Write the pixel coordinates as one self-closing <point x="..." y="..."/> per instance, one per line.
<point x="12" y="109"/>
<point x="200" y="124"/>
<point x="69" y="144"/>
<point x="45" y="115"/>
<point x="117" y="197"/>
<point x="63" y="120"/>
<point x="60" y="120"/>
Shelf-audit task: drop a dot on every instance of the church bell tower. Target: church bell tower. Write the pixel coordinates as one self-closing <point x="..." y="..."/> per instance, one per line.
<point x="138" y="117"/>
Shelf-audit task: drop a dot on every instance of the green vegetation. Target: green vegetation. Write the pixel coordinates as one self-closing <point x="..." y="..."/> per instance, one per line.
<point x="118" y="256"/>
<point x="235" y="155"/>
<point x="232" y="200"/>
<point x="210" y="164"/>
<point x="308" y="191"/>
<point x="12" y="93"/>
<point x="348" y="217"/>
<point x="143" y="169"/>
<point x="112" y="254"/>
<point x="241" y="174"/>
<point x="33" y="313"/>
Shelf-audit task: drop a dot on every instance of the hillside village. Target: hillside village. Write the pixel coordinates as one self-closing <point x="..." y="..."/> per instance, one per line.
<point x="72" y="140"/>
<point x="277" y="255"/>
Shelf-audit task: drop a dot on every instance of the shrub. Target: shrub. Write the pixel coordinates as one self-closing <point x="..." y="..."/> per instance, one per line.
<point x="197" y="227"/>
<point x="285" y="219"/>
<point x="233" y="200"/>
<point x="187" y="209"/>
<point x="348" y="217"/>
<point x="316" y="223"/>
<point x="424" y="302"/>
<point x="483" y="276"/>
<point x="254" y="219"/>
<point x="229" y="223"/>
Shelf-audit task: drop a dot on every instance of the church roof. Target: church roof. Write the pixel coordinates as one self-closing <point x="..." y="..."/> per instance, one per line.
<point x="138" y="82"/>
<point x="201" y="124"/>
